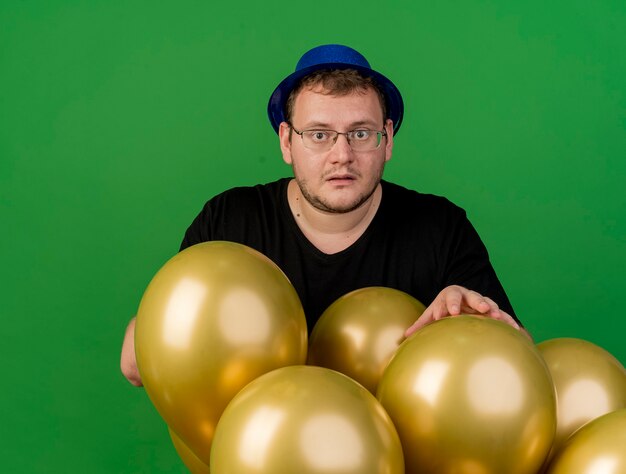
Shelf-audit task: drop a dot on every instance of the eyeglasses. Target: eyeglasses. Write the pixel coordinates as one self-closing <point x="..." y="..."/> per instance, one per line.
<point x="360" y="139"/>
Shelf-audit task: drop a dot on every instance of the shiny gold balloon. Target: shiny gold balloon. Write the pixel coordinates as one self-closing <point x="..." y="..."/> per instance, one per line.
<point x="470" y="395"/>
<point x="359" y="332"/>
<point x="214" y="318"/>
<point x="589" y="382"/>
<point x="599" y="447"/>
<point x="308" y="420"/>
<point x="190" y="460"/>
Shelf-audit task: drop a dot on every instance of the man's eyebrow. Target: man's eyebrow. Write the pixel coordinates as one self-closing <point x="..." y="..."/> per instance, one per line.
<point x="352" y="126"/>
<point x="317" y="126"/>
<point x="361" y="123"/>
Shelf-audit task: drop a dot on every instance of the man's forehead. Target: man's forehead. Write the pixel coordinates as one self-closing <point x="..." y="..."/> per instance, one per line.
<point x="322" y="90"/>
<point x="321" y="105"/>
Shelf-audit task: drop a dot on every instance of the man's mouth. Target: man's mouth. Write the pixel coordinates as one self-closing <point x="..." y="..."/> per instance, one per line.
<point x="341" y="178"/>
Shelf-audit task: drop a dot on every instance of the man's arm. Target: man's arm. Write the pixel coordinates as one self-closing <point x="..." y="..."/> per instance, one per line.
<point x="128" y="362"/>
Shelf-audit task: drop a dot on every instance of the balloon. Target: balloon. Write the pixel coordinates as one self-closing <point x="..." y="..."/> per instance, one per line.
<point x="589" y="382"/>
<point x="190" y="460"/>
<point x="214" y="318"/>
<point x="470" y="395"/>
<point x="599" y="447"/>
<point x="305" y="419"/>
<point x="359" y="332"/>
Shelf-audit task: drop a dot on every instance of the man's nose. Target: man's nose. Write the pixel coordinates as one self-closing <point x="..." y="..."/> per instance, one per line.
<point x="341" y="152"/>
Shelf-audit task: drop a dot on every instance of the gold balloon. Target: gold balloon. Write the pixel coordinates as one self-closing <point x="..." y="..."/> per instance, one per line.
<point x="304" y="419"/>
<point x="190" y="460"/>
<point x="599" y="447"/>
<point x="359" y="332"/>
<point x="588" y="380"/>
<point x="470" y="395"/>
<point x="214" y="318"/>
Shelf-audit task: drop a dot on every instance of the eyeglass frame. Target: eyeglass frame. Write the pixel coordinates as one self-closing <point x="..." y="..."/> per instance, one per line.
<point x="383" y="133"/>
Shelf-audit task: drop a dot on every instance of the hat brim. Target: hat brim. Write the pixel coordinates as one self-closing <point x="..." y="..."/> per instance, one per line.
<point x="278" y="99"/>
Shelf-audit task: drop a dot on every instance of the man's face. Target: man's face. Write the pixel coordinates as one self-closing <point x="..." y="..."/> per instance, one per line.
<point x="338" y="180"/>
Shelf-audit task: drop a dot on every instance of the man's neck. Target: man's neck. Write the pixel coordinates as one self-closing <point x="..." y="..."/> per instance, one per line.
<point x="331" y="232"/>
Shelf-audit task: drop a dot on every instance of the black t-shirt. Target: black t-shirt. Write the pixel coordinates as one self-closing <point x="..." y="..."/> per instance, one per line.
<point x="417" y="243"/>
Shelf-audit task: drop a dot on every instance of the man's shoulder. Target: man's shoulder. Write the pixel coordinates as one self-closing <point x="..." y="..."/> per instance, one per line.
<point x="400" y="197"/>
<point x="242" y="197"/>
<point x="257" y="190"/>
<point x="239" y="214"/>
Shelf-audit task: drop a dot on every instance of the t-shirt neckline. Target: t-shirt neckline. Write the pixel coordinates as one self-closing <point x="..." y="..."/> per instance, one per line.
<point x="308" y="245"/>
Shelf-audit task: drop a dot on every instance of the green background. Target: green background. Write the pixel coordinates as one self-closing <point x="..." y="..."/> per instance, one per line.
<point x="118" y="119"/>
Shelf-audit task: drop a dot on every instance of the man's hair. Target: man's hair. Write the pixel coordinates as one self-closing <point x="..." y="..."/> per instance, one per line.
<point x="336" y="82"/>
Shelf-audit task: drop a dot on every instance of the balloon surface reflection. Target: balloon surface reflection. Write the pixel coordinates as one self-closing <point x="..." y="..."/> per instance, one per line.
<point x="359" y="332"/>
<point x="588" y="380"/>
<point x="305" y="419"/>
<point x="470" y="395"/>
<point x="599" y="447"/>
<point x="191" y="461"/>
<point x="214" y="318"/>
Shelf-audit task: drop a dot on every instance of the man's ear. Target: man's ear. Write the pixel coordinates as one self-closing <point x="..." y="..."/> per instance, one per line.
<point x="389" y="141"/>
<point x="284" y="135"/>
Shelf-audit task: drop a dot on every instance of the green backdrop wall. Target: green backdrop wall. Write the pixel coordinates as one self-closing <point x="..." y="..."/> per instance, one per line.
<point x="118" y="119"/>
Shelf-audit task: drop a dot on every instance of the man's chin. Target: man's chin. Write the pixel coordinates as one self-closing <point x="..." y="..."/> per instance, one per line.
<point x="339" y="207"/>
<point x="336" y="200"/>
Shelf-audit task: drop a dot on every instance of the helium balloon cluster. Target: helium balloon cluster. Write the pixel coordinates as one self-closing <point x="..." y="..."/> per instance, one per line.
<point x="222" y="348"/>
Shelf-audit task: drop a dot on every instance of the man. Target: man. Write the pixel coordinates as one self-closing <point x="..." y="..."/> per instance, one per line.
<point x="337" y="226"/>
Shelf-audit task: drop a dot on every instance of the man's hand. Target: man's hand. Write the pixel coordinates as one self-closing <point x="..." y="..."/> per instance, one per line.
<point x="454" y="300"/>
<point x="128" y="362"/>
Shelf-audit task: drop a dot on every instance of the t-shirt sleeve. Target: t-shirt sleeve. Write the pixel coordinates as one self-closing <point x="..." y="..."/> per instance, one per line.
<point x="237" y="215"/>
<point x="200" y="229"/>
<point x="468" y="265"/>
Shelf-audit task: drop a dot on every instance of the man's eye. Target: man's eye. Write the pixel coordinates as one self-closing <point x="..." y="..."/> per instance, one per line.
<point x="318" y="135"/>
<point x="361" y="134"/>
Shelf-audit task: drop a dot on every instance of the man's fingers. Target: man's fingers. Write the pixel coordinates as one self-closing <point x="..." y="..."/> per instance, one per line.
<point x="455" y="300"/>
<point x="459" y="300"/>
<point x="496" y="313"/>
<point x="476" y="303"/>
<point x="507" y="318"/>
<point x="452" y="301"/>
<point x="423" y="320"/>
<point x="494" y="309"/>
